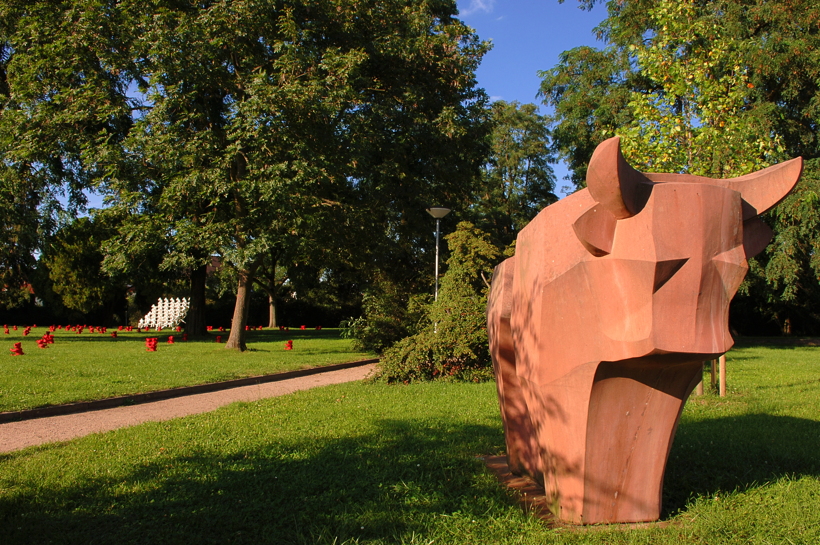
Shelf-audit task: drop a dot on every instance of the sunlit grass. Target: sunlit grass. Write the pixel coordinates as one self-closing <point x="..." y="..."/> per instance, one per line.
<point x="81" y="367"/>
<point x="371" y="463"/>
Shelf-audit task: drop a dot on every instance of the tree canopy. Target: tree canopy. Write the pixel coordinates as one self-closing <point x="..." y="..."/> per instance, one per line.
<point x="73" y="259"/>
<point x="517" y="181"/>
<point x="63" y="114"/>
<point x="267" y="132"/>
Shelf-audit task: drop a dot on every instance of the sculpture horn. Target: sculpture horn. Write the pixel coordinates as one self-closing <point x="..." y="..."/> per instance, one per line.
<point x="764" y="189"/>
<point x="612" y="182"/>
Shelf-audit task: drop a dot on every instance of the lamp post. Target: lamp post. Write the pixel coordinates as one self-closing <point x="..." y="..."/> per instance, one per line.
<point x="437" y="212"/>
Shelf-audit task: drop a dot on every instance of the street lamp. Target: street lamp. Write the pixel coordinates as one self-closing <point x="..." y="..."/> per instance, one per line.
<point x="437" y="212"/>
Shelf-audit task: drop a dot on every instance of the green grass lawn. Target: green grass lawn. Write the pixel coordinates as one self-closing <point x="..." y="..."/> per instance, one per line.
<point x="372" y="463"/>
<point x="87" y="366"/>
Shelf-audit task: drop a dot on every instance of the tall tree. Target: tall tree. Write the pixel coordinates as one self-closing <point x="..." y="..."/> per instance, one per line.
<point x="517" y="181"/>
<point x="63" y="115"/>
<point x="229" y="127"/>
<point x="283" y="119"/>
<point x="73" y="259"/>
<point x="272" y="278"/>
<point x="588" y="91"/>
<point x="699" y="117"/>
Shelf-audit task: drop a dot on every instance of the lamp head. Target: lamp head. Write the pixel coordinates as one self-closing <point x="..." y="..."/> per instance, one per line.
<point x="438" y="212"/>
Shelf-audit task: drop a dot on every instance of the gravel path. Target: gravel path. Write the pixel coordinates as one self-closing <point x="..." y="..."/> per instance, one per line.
<point x="19" y="435"/>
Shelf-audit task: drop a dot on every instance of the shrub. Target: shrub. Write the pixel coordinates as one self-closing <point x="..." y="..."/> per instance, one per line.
<point x="386" y="318"/>
<point x="453" y="343"/>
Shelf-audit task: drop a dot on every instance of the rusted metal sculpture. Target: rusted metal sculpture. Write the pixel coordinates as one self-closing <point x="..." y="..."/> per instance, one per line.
<point x="600" y="323"/>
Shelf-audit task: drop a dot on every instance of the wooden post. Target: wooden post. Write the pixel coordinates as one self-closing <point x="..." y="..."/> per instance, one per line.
<point x="723" y="375"/>
<point x="713" y="368"/>
<point x="699" y="387"/>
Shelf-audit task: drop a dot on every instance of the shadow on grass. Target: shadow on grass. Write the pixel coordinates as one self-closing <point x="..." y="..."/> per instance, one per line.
<point x="386" y="485"/>
<point x="738" y="453"/>
<point x="406" y="480"/>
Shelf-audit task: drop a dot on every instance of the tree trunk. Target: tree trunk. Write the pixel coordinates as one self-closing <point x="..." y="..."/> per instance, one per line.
<point x="236" y="340"/>
<point x="195" y="325"/>
<point x="272" y="323"/>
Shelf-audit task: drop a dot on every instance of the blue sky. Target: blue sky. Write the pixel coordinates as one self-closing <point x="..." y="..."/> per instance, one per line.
<point x="527" y="36"/>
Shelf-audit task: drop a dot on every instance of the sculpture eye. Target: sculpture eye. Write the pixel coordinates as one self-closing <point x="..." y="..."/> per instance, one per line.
<point x="596" y="230"/>
<point x="664" y="270"/>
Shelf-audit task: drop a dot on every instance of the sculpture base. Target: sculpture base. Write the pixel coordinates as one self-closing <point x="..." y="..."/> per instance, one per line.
<point x="533" y="499"/>
<point x="531" y="496"/>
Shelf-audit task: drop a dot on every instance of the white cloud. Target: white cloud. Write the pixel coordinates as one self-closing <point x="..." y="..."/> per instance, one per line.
<point x="485" y="6"/>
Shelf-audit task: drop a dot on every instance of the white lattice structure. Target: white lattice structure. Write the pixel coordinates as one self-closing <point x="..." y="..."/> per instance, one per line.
<point x="167" y="313"/>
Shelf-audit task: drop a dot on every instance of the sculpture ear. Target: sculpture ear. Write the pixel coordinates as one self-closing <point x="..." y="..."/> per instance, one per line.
<point x="756" y="236"/>
<point x="596" y="230"/>
<point x="612" y="182"/>
<point x="764" y="189"/>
